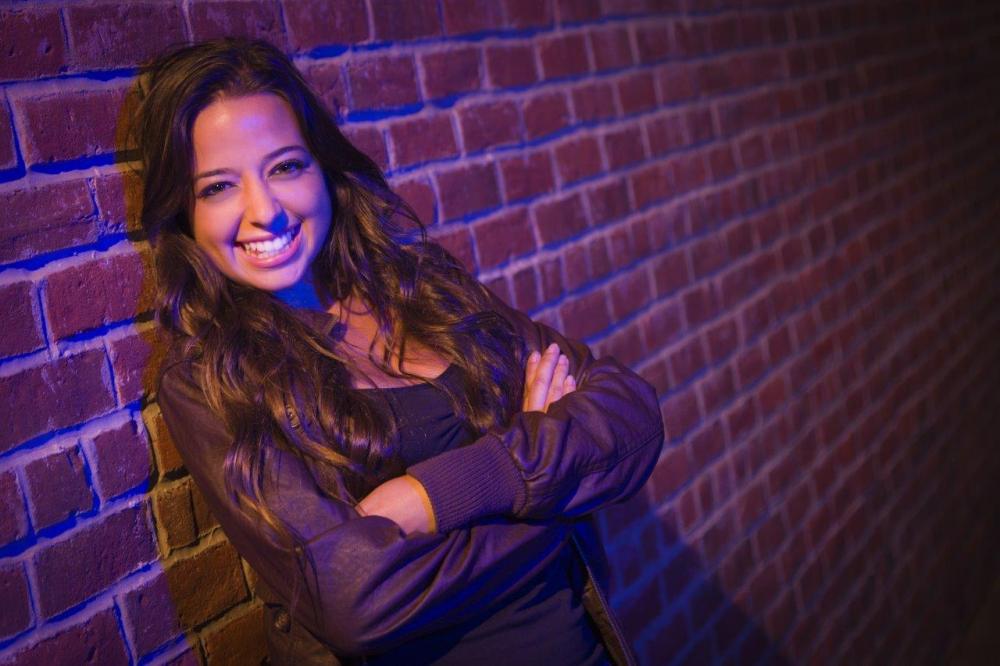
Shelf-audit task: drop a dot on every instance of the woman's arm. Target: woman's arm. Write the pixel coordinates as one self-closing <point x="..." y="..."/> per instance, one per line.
<point x="375" y="588"/>
<point x="595" y="446"/>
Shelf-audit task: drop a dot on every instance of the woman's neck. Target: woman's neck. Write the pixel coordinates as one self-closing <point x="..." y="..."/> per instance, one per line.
<point x="301" y="295"/>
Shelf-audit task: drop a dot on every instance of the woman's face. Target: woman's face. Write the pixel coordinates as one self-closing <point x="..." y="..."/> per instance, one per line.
<point x="261" y="206"/>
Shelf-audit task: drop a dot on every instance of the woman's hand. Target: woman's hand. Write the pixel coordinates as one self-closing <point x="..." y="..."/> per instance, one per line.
<point x="546" y="379"/>
<point x="402" y="500"/>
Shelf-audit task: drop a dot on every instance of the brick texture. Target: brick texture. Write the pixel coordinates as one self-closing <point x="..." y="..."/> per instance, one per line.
<point x="92" y="558"/>
<point x="782" y="216"/>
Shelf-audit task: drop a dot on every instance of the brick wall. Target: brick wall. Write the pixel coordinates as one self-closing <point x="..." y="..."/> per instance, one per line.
<point x="784" y="215"/>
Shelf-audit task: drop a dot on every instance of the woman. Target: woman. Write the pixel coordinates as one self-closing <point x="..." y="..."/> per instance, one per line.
<point x="407" y="463"/>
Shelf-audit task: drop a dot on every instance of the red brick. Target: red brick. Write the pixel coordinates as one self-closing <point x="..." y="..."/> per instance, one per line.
<point x="653" y="42"/>
<point x="451" y="72"/>
<point x="64" y="392"/>
<point x="94" y="557"/>
<point x="717" y="389"/>
<point x="578" y="159"/>
<point x="422" y="139"/>
<point x="204" y="519"/>
<point x="575" y="11"/>
<point x="650" y="184"/>
<point x="563" y="56"/>
<point x="77" y="298"/>
<point x="552" y="281"/>
<point x="600" y="258"/>
<point x="465" y="16"/>
<point x="121" y="459"/>
<point x="526" y="297"/>
<point x="585" y="315"/>
<point x="405" y="19"/>
<point x="313" y="23"/>
<point x="621" y="248"/>
<point x="680" y="414"/>
<point x="168" y="459"/>
<point x="174" y="515"/>
<point x="420" y="195"/>
<point x="608" y="201"/>
<point x="686" y="361"/>
<point x="16" y="615"/>
<point x="612" y="48"/>
<point x="57" y="487"/>
<point x="370" y="141"/>
<point x="206" y="584"/>
<point x="327" y="80"/>
<point x="624" y="147"/>
<point x="511" y="66"/>
<point x="19" y="320"/>
<point x="489" y="124"/>
<point x="117" y="196"/>
<point x="671" y="472"/>
<point x="670" y="273"/>
<point x="560" y="219"/>
<point x="662" y="325"/>
<point x="95" y="640"/>
<point x="381" y="82"/>
<point x="238" y="18"/>
<point x="699" y="125"/>
<point x="577" y="266"/>
<point x="13" y="519"/>
<point x="665" y="134"/>
<point x="523" y="14"/>
<point x="629" y="293"/>
<point x="545" y="114"/>
<point x="237" y="640"/>
<point x="593" y="102"/>
<point x="121" y="34"/>
<point x="701" y="304"/>
<point x="503" y="237"/>
<point x="708" y="255"/>
<point x="676" y="83"/>
<point x="467" y="189"/>
<point x="65" y="126"/>
<point x="150" y="615"/>
<point x="527" y="175"/>
<point x="33" y="43"/>
<point x="458" y="242"/>
<point x="637" y="93"/>
<point x="135" y="360"/>
<point x="8" y="156"/>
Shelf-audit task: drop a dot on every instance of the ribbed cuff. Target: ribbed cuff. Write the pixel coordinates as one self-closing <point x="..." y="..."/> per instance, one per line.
<point x="470" y="482"/>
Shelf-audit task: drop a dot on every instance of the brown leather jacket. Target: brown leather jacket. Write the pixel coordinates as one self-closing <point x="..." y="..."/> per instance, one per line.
<point x="374" y="588"/>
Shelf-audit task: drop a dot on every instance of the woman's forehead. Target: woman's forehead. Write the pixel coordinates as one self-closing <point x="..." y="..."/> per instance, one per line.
<point x="236" y="125"/>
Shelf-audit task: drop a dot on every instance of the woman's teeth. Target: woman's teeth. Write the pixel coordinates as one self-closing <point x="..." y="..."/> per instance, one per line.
<point x="269" y="248"/>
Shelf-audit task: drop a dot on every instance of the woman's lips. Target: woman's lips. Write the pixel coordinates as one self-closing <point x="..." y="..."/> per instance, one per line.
<point x="265" y="255"/>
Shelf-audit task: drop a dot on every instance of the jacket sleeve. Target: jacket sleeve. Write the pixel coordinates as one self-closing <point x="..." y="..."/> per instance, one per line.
<point x="370" y="587"/>
<point x="592" y="447"/>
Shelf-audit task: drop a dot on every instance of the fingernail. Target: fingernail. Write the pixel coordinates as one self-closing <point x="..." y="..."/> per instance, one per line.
<point x="552" y="347"/>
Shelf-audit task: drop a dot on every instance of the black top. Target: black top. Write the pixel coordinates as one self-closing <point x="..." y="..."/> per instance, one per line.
<point x="547" y="625"/>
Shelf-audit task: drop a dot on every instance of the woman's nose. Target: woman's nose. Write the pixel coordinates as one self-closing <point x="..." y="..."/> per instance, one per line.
<point x="262" y="209"/>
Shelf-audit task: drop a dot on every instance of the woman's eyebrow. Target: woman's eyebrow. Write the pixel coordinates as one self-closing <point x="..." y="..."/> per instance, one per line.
<point x="270" y="156"/>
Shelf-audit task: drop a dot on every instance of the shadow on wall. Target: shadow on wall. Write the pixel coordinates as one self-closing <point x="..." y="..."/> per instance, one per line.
<point x="672" y="606"/>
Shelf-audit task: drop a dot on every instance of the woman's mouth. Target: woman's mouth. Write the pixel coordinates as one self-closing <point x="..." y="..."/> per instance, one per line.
<point x="274" y="250"/>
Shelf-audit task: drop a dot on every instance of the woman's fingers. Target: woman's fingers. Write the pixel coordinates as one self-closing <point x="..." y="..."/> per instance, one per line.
<point x="556" y="384"/>
<point x="538" y="387"/>
<point x="547" y="379"/>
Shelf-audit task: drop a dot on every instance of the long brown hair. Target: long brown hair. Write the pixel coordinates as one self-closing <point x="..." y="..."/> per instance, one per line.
<point x="271" y="377"/>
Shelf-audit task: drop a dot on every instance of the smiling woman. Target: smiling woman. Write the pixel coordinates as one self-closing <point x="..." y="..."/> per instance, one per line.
<point x="262" y="208"/>
<point x="449" y="523"/>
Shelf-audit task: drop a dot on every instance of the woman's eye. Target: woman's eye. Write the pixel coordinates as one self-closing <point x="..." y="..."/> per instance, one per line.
<point x="213" y="189"/>
<point x="289" y="166"/>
